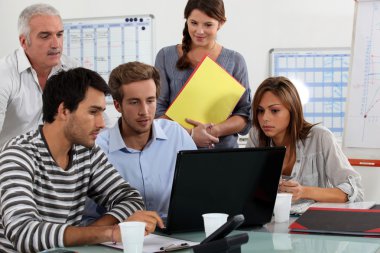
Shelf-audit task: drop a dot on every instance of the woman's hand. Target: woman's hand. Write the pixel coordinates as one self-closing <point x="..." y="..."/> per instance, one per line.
<point x="293" y="187"/>
<point x="201" y="135"/>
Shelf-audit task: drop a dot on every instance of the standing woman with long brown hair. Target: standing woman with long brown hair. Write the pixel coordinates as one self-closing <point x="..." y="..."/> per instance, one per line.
<point x="176" y="63"/>
<point x="319" y="169"/>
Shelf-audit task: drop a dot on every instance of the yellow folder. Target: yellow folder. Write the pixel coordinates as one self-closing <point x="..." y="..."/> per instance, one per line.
<point x="209" y="96"/>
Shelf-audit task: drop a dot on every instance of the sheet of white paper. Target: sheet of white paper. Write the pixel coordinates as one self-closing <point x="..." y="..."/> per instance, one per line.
<point x="351" y="205"/>
<point x="300" y="208"/>
<point x="153" y="243"/>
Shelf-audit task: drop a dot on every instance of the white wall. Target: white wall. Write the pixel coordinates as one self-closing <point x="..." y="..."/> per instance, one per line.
<point x="370" y="181"/>
<point x="253" y="27"/>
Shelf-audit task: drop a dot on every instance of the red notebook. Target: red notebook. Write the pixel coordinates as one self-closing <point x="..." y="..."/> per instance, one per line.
<point x="339" y="221"/>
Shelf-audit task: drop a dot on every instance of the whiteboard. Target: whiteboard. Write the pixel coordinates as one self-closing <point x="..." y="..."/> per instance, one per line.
<point x="324" y="72"/>
<point x="362" y="131"/>
<point x="101" y="44"/>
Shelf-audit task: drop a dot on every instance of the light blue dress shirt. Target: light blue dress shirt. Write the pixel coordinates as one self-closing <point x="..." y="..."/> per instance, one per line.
<point x="151" y="170"/>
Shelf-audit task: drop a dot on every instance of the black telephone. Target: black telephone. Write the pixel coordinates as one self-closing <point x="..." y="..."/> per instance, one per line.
<point x="225" y="229"/>
<point x="219" y="242"/>
<point x="215" y="238"/>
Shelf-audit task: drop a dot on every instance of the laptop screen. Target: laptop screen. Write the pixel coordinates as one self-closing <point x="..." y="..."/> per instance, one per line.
<point x="232" y="181"/>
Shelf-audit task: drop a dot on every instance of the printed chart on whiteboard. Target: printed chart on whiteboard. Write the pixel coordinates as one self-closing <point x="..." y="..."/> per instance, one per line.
<point x="101" y="44"/>
<point x="363" y="118"/>
<point x="321" y="77"/>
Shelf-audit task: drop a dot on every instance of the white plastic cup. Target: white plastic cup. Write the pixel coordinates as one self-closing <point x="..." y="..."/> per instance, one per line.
<point x="213" y="221"/>
<point x="132" y="236"/>
<point x="282" y="207"/>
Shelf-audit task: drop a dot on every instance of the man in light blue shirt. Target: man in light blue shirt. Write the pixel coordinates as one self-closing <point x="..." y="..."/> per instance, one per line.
<point x="141" y="148"/>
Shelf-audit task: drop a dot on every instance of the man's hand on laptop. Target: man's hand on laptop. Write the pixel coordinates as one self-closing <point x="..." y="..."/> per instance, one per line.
<point x="151" y="218"/>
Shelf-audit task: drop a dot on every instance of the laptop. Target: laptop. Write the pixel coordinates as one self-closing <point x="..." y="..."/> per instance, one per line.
<point x="233" y="181"/>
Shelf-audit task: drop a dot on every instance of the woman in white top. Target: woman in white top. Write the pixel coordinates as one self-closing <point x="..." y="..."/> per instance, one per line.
<point x="319" y="169"/>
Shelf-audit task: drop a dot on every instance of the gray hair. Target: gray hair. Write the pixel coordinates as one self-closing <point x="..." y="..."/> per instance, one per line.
<point x="29" y="12"/>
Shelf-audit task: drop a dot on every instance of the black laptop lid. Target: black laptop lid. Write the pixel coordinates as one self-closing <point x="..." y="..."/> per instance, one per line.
<point x="231" y="181"/>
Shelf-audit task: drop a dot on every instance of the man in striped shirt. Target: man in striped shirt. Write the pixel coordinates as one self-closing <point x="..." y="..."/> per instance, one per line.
<point x="46" y="174"/>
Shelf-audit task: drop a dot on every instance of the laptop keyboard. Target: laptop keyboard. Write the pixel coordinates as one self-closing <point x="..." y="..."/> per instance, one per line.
<point x="300" y="208"/>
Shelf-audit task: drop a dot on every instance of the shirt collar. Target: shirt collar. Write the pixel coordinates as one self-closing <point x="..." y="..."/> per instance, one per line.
<point x="116" y="141"/>
<point x="24" y="63"/>
<point x="158" y="132"/>
<point x="22" y="60"/>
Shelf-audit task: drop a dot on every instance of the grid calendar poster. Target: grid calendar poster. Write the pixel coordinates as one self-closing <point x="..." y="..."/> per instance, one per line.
<point x="323" y="72"/>
<point x="102" y="44"/>
<point x="363" y="119"/>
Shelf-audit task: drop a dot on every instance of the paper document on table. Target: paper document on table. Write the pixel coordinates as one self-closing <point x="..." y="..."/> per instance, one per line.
<point x="301" y="207"/>
<point x="209" y="96"/>
<point x="154" y="243"/>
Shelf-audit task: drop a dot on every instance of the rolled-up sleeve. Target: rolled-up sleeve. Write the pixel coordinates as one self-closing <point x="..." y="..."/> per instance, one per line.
<point x="339" y="170"/>
<point x="353" y="189"/>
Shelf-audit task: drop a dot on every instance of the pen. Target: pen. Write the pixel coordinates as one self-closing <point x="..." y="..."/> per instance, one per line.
<point x="173" y="246"/>
<point x="165" y="247"/>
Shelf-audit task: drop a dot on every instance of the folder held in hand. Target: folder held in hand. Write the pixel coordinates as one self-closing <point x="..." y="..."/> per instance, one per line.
<point x="209" y="96"/>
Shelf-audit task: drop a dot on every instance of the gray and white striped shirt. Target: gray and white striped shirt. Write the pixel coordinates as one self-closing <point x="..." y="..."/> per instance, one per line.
<point x="38" y="199"/>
